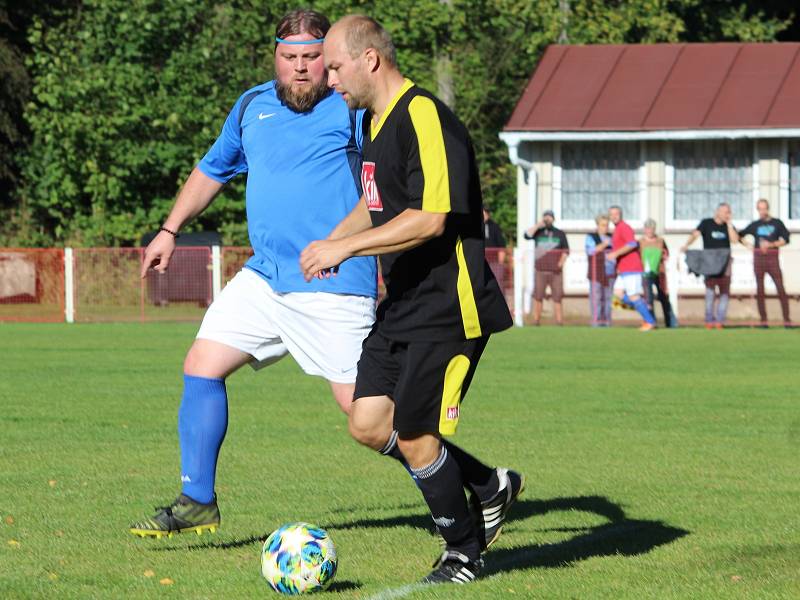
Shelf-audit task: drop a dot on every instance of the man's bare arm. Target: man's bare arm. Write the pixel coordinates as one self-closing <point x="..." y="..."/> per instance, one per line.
<point x="409" y="229"/>
<point x="196" y="194"/>
<point x="356" y="221"/>
<point x="733" y="235"/>
<point x="627" y="248"/>
<point x="692" y="237"/>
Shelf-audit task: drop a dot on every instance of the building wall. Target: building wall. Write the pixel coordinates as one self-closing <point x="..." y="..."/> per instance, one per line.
<point x="767" y="155"/>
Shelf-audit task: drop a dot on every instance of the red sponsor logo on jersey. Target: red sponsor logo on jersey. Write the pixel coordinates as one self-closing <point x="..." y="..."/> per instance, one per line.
<point x="371" y="193"/>
<point x="452" y="413"/>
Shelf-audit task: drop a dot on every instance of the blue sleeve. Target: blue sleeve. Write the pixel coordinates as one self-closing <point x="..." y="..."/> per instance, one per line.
<point x="226" y="157"/>
<point x="590" y="245"/>
<point x="359" y="129"/>
<point x="632" y="244"/>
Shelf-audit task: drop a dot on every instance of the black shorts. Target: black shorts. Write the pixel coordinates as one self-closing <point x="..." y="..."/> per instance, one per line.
<point x="426" y="380"/>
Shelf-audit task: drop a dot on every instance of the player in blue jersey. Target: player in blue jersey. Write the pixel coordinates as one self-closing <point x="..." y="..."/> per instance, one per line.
<point x="300" y="146"/>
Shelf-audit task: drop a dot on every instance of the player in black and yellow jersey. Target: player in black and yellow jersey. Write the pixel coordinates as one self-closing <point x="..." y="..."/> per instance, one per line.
<point x="422" y="214"/>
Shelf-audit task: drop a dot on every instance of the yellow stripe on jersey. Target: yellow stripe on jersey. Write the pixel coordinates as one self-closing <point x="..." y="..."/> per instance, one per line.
<point x="374" y="128"/>
<point x="454" y="377"/>
<point x="466" y="298"/>
<point x="432" y="155"/>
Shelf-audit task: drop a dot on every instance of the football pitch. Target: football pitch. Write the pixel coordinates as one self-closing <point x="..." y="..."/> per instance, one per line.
<point x="663" y="465"/>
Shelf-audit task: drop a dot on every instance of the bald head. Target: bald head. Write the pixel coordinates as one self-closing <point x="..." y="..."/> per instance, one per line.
<point x="360" y="58"/>
<point x="359" y="33"/>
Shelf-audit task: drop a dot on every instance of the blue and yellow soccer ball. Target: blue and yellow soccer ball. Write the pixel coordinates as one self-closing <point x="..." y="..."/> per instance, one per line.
<point x="298" y="558"/>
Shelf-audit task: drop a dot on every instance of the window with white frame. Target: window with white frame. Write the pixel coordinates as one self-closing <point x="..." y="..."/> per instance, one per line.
<point x="707" y="172"/>
<point x="596" y="175"/>
<point x="794" y="180"/>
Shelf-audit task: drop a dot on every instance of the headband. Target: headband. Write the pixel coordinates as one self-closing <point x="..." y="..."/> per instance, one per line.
<point x="299" y="43"/>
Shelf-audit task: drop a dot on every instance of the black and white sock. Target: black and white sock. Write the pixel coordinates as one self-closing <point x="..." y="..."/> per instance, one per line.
<point x="481" y="479"/>
<point x="441" y="485"/>
<point x="477" y="476"/>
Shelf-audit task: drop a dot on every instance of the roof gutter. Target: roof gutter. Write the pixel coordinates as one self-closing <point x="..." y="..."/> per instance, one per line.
<point x="514" y="138"/>
<point x="523" y="278"/>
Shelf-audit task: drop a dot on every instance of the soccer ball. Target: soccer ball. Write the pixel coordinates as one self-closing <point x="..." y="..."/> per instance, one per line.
<point x="298" y="558"/>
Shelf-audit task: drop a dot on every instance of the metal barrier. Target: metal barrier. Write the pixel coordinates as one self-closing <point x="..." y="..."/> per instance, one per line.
<point x="103" y="284"/>
<point x="32" y="284"/>
<point x="107" y="286"/>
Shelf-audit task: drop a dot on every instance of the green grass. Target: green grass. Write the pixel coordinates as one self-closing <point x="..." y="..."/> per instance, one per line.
<point x="664" y="465"/>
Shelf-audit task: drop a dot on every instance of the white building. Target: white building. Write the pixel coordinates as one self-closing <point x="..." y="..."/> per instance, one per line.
<point x="667" y="131"/>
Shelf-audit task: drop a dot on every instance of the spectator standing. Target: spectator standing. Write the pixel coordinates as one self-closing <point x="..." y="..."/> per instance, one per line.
<point x="718" y="232"/>
<point x="654" y="258"/>
<point x="552" y="250"/>
<point x="600" y="272"/>
<point x="769" y="235"/>
<point x="628" y="284"/>
<point x="493" y="238"/>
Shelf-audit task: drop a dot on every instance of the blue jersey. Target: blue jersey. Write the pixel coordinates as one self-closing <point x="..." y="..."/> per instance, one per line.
<point x="303" y="173"/>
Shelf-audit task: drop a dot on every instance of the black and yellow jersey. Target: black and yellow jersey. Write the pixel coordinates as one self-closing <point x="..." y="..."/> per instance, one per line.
<point x="420" y="156"/>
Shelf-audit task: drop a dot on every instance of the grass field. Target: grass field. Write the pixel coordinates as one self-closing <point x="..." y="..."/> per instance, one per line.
<point x="664" y="465"/>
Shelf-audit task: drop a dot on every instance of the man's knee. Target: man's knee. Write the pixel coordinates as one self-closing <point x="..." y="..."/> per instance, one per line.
<point x="212" y="359"/>
<point x="366" y="435"/>
<point x="370" y="424"/>
<point x="196" y="362"/>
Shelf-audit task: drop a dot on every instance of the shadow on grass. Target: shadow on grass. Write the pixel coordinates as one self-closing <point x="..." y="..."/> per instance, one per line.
<point x="343" y="586"/>
<point x="620" y="535"/>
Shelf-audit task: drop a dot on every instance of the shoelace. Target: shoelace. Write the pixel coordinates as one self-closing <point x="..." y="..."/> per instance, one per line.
<point x="167" y="509"/>
<point x="447" y="555"/>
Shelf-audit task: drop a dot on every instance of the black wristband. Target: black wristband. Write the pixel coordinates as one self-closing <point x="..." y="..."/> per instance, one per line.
<point x="174" y="234"/>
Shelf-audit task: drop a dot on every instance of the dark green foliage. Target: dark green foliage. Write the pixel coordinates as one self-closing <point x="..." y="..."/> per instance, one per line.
<point x="123" y="97"/>
<point x="15" y="83"/>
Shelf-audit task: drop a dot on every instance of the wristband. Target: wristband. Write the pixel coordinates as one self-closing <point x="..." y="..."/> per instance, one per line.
<point x="174" y="234"/>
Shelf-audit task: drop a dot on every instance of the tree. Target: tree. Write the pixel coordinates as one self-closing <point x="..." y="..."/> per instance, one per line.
<point x="127" y="95"/>
<point x="15" y="84"/>
<point x="495" y="45"/>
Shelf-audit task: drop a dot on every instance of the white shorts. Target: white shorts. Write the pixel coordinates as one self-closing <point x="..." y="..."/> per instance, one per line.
<point x="631" y="283"/>
<point x="323" y="332"/>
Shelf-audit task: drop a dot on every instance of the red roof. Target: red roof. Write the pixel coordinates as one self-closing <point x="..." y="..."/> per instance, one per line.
<point x="635" y="87"/>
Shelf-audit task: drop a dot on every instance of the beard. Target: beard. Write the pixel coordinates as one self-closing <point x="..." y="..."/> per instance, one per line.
<point x="355" y="103"/>
<point x="301" y="101"/>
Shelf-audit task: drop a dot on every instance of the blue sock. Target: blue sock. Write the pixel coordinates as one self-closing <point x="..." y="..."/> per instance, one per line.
<point x="628" y="301"/>
<point x="202" y="423"/>
<point x="641" y="307"/>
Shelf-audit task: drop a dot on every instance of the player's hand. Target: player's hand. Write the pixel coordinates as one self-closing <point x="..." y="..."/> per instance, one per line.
<point x="764" y="245"/>
<point x="321" y="259"/>
<point x="158" y="253"/>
